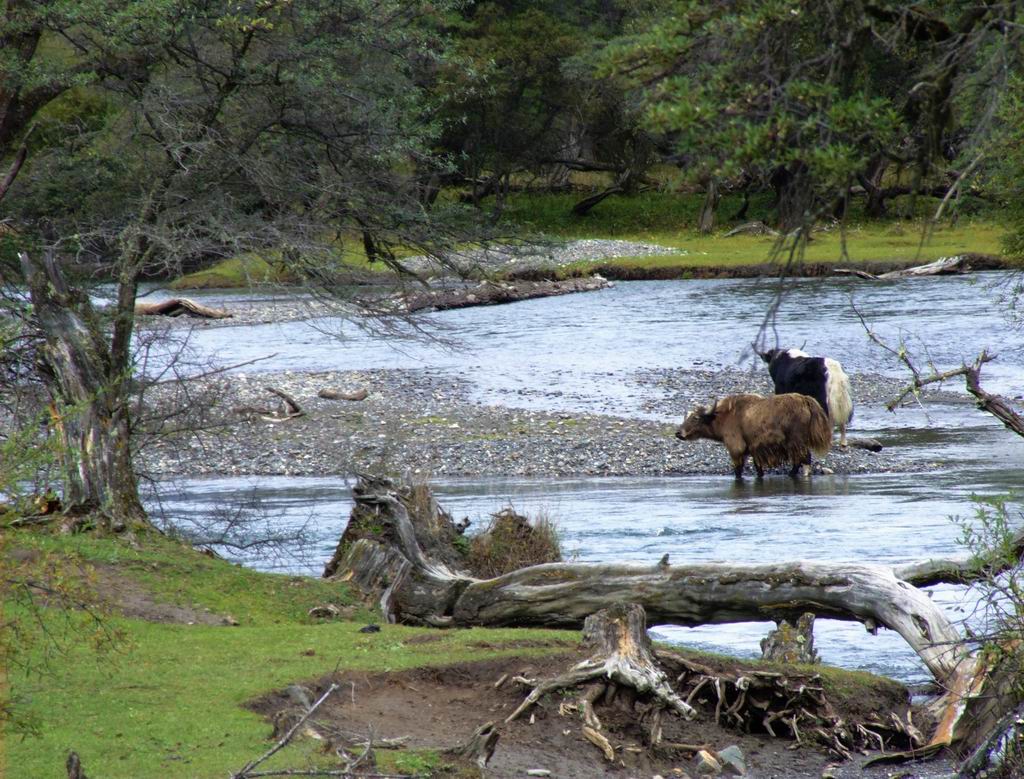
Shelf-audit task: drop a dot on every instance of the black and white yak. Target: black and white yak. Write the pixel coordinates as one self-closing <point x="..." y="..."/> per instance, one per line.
<point x="821" y="378"/>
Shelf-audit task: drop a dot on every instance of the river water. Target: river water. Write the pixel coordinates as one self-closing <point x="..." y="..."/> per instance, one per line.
<point x="581" y="353"/>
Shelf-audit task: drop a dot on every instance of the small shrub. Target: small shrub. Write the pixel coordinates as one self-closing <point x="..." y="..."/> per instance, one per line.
<point x="511" y="542"/>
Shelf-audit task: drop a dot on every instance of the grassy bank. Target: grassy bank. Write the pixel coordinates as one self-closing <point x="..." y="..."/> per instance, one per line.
<point x="170" y="698"/>
<point x="669" y="219"/>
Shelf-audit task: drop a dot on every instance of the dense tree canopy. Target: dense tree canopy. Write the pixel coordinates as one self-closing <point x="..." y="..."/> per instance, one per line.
<point x="816" y="97"/>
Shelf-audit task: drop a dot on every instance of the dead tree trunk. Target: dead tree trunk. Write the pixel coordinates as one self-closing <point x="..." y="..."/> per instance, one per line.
<point x="993" y="404"/>
<point x="706" y="220"/>
<point x="89" y="406"/>
<point x="871" y="180"/>
<point x="585" y="206"/>
<point x="382" y="553"/>
<point x="792" y="195"/>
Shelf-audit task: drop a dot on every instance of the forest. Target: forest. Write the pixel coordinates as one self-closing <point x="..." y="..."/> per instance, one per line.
<point x="357" y="355"/>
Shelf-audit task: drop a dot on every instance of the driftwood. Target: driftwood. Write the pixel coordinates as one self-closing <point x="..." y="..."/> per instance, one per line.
<point x="961" y="570"/>
<point x="289" y="408"/>
<point x="624" y="672"/>
<point x="335" y="394"/>
<point x="623" y="657"/>
<point x="248" y="770"/>
<point x="751" y="228"/>
<point x="995" y="405"/>
<point x="480" y="746"/>
<point x="944" y="266"/>
<point x="180" y="307"/>
<point x="789" y="703"/>
<point x="490" y="293"/>
<point x="399" y="562"/>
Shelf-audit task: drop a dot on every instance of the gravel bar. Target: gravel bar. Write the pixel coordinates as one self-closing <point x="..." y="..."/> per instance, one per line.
<point x="424" y="422"/>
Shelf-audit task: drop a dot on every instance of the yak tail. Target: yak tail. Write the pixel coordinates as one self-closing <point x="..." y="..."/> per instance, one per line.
<point x="837" y="391"/>
<point x="820" y="433"/>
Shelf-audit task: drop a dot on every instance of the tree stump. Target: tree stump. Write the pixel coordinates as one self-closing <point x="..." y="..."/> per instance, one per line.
<point x="791" y="644"/>
<point x="622" y="660"/>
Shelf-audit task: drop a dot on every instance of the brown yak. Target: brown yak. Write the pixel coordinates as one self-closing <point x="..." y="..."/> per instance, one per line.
<point x="772" y="430"/>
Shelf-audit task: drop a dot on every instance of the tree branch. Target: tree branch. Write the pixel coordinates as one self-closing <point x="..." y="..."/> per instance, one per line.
<point x="19" y="160"/>
<point x="247" y="771"/>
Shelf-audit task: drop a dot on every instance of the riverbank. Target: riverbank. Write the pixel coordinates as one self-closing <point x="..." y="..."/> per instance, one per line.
<point x="183" y="632"/>
<point x="428" y="424"/>
<point x="664" y="253"/>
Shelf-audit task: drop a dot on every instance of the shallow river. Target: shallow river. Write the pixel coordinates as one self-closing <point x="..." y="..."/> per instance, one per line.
<point x="579" y="353"/>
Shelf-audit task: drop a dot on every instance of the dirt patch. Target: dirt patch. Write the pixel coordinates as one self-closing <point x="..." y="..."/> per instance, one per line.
<point x="440" y="707"/>
<point x="130" y="598"/>
<point x="526" y="643"/>
<point x="116" y="593"/>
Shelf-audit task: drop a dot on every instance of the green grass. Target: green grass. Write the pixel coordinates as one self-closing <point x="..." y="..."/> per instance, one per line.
<point x="168" y="701"/>
<point x="174" y="697"/>
<point x="181" y="576"/>
<point x="669" y="219"/>
<point x="866" y="243"/>
<point x="241" y="271"/>
<point x="250" y="269"/>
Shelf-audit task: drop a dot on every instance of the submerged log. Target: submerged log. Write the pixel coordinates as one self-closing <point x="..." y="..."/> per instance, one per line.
<point x="491" y="293"/>
<point x="179" y="307"/>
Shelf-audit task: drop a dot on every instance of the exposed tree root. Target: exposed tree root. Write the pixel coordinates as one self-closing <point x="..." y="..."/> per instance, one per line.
<point x="398" y="548"/>
<point x="784" y="704"/>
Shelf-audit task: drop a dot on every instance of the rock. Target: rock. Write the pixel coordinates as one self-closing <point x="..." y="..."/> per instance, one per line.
<point x="330" y="611"/>
<point x="706" y="764"/>
<point x="227" y="619"/>
<point x="732" y="760"/>
<point x="300" y="696"/>
<point x="538" y="772"/>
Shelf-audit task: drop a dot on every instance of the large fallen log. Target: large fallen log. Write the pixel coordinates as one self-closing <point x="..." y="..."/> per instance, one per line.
<point x="491" y="293"/>
<point x="180" y="307"/>
<point x="413" y="571"/>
